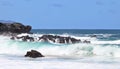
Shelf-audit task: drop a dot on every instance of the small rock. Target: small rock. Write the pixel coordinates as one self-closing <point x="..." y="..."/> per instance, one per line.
<point x="33" y="54"/>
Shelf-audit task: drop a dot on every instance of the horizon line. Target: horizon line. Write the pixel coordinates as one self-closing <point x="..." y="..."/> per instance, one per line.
<point x="76" y="29"/>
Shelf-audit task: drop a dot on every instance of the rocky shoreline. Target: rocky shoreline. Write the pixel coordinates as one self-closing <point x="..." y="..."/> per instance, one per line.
<point x="14" y="29"/>
<point x="49" y="38"/>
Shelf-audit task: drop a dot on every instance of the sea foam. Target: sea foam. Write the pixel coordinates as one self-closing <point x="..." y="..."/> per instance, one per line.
<point x="95" y="48"/>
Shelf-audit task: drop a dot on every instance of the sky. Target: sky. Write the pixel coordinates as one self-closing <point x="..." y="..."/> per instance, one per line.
<point x="63" y="14"/>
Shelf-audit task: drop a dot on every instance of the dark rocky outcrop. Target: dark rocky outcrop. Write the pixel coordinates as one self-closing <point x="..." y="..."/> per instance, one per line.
<point x="60" y="39"/>
<point x="33" y="54"/>
<point x="50" y="38"/>
<point x="14" y="27"/>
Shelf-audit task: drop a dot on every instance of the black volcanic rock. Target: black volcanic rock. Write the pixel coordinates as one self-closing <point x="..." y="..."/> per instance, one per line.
<point x="33" y="54"/>
<point x="14" y="27"/>
<point x="49" y="38"/>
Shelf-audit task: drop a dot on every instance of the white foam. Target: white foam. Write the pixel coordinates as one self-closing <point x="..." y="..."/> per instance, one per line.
<point x="106" y="42"/>
<point x="50" y="63"/>
<point x="72" y="56"/>
<point x="93" y="49"/>
<point x="78" y="50"/>
<point x="23" y="34"/>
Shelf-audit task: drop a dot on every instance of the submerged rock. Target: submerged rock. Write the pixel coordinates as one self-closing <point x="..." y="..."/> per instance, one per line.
<point x="33" y="54"/>
<point x="86" y="41"/>
<point x="93" y="35"/>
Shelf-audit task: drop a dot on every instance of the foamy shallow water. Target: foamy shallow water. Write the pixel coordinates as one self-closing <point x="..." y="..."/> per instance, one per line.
<point x="100" y="54"/>
<point x="56" y="63"/>
<point x="20" y="62"/>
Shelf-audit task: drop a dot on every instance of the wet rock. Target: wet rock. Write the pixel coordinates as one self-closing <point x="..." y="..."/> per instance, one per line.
<point x="67" y="39"/>
<point x="51" y="38"/>
<point x="73" y="40"/>
<point x="13" y="38"/>
<point x="93" y="35"/>
<point x="25" y="38"/>
<point x="33" y="54"/>
<point x="85" y="41"/>
<point x="61" y="40"/>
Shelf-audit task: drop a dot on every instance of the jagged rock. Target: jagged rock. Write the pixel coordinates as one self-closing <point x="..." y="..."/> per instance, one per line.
<point x="14" y="27"/>
<point x="85" y="41"/>
<point x="62" y="40"/>
<point x="49" y="38"/>
<point x="33" y="54"/>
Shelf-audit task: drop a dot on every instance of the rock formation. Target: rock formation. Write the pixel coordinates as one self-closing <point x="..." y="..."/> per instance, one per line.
<point x="33" y="54"/>
<point x="14" y="27"/>
<point x="50" y="38"/>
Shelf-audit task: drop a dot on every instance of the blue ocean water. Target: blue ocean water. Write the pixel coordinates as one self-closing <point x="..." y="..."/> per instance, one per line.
<point x="103" y="51"/>
<point x="115" y="33"/>
<point x="77" y="31"/>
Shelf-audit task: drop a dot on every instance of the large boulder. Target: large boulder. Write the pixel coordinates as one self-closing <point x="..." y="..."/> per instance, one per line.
<point x="14" y="27"/>
<point x="33" y="54"/>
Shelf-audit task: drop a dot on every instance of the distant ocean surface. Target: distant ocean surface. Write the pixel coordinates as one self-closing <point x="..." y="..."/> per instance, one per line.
<point x="102" y="53"/>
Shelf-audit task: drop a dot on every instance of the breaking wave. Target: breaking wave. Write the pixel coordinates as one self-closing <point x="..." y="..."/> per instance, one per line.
<point x="95" y="48"/>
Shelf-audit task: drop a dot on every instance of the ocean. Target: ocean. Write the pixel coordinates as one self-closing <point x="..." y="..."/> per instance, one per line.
<point x="103" y="51"/>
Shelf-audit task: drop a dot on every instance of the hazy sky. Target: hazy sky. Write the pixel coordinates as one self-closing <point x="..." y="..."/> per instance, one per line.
<point x="63" y="14"/>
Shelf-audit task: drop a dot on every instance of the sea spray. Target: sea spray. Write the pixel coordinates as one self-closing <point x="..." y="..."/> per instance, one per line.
<point x="95" y="48"/>
<point x="101" y="53"/>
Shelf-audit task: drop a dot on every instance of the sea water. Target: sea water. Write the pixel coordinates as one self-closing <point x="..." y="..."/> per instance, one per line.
<point x="102" y="53"/>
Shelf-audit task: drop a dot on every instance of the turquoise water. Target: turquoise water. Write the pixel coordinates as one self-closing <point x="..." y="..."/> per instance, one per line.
<point x="103" y="51"/>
